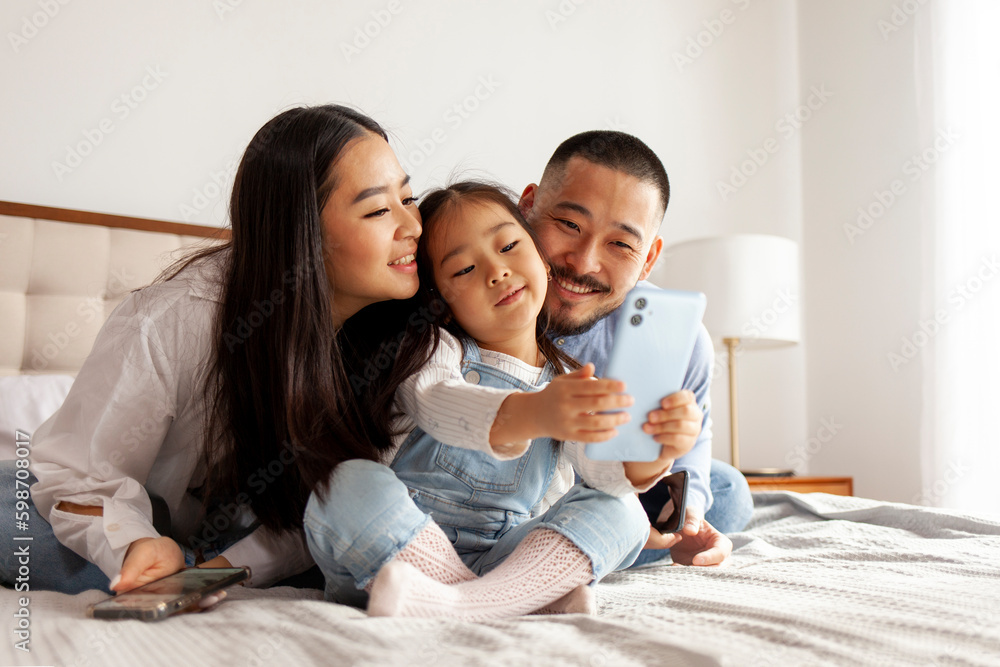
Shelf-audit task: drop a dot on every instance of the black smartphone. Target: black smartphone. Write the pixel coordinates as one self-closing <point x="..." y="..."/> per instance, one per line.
<point x="176" y="592"/>
<point x="666" y="502"/>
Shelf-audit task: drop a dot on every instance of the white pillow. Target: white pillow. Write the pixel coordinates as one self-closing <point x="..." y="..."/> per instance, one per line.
<point x="25" y="402"/>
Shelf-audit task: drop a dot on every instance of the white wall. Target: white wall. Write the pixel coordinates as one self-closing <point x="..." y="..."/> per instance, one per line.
<point x="863" y="284"/>
<point x="603" y="64"/>
<point x="558" y="67"/>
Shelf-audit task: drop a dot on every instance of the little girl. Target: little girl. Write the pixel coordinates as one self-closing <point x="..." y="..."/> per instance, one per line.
<point x="479" y="457"/>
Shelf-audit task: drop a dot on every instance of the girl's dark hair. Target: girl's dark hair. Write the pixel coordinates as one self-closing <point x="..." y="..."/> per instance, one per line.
<point x="288" y="396"/>
<point x="434" y="206"/>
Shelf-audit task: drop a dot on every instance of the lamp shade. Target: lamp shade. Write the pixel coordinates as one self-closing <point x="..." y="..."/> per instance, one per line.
<point x="751" y="282"/>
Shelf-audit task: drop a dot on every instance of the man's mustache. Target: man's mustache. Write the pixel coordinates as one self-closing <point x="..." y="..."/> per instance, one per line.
<point x="582" y="281"/>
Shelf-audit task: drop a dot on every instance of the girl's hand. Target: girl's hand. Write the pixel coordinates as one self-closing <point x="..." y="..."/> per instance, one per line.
<point x="569" y="407"/>
<point x="146" y="560"/>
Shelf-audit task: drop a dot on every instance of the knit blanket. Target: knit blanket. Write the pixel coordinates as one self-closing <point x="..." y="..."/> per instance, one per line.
<point x="814" y="580"/>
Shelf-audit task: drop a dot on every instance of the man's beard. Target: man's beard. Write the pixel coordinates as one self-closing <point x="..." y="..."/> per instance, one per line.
<point x="562" y="326"/>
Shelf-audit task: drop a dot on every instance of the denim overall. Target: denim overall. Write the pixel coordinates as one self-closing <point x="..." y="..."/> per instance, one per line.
<point x="474" y="497"/>
<point x="369" y="512"/>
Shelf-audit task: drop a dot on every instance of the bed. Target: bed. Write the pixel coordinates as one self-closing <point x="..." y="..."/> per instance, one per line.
<point x="815" y="579"/>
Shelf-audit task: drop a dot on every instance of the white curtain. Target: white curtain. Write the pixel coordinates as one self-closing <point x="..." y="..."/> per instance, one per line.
<point x="958" y="63"/>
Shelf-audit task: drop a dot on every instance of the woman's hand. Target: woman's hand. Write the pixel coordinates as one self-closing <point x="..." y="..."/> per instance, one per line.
<point x="218" y="561"/>
<point x="146" y="560"/>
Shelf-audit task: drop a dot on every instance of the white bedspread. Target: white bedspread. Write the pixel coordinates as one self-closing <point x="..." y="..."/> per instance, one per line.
<point x="816" y="579"/>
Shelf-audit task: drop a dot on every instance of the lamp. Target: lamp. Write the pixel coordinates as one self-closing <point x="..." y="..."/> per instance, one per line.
<point x="752" y="285"/>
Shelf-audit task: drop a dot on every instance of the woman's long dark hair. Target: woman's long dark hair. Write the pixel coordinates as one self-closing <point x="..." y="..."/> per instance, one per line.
<point x="288" y="396"/>
<point x="433" y="206"/>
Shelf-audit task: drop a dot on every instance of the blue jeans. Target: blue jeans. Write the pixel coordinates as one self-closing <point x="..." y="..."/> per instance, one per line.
<point x="731" y="508"/>
<point x="51" y="566"/>
<point x="368" y="515"/>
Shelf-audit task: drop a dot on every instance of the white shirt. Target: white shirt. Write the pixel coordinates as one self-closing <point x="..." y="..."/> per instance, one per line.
<point x="439" y="400"/>
<point x="133" y="421"/>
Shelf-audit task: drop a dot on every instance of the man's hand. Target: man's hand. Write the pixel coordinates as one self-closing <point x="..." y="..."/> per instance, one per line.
<point x="676" y="425"/>
<point x="146" y="560"/>
<point x="658" y="540"/>
<point x="700" y="543"/>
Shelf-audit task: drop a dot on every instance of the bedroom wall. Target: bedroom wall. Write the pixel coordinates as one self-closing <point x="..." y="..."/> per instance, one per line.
<point x="862" y="268"/>
<point x="142" y="109"/>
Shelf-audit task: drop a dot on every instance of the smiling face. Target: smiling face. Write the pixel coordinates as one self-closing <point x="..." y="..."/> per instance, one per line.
<point x="598" y="227"/>
<point x="371" y="225"/>
<point x="487" y="268"/>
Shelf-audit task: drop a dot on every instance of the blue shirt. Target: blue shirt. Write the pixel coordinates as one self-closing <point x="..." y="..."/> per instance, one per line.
<point x="594" y="346"/>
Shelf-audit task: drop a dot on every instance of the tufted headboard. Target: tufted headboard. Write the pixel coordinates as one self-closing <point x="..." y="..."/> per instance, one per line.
<point x="63" y="271"/>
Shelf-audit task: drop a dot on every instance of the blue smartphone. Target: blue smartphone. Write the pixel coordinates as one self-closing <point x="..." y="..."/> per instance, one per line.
<point x="654" y="339"/>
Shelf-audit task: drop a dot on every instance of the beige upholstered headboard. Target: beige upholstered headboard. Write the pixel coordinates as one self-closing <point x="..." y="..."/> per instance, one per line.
<point x="63" y="271"/>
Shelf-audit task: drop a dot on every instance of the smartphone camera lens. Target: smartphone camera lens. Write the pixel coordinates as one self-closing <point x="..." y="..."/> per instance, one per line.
<point x="640" y="304"/>
<point x="636" y="320"/>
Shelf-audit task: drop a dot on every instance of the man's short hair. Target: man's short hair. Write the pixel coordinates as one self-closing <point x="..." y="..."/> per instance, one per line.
<point x="614" y="150"/>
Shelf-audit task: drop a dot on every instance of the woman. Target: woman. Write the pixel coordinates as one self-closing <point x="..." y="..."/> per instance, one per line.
<point x="227" y="387"/>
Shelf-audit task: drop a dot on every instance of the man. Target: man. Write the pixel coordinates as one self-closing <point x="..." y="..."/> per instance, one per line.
<point x="596" y="212"/>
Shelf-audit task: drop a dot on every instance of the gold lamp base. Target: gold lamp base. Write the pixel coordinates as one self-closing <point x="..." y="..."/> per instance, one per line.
<point x="734" y="442"/>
